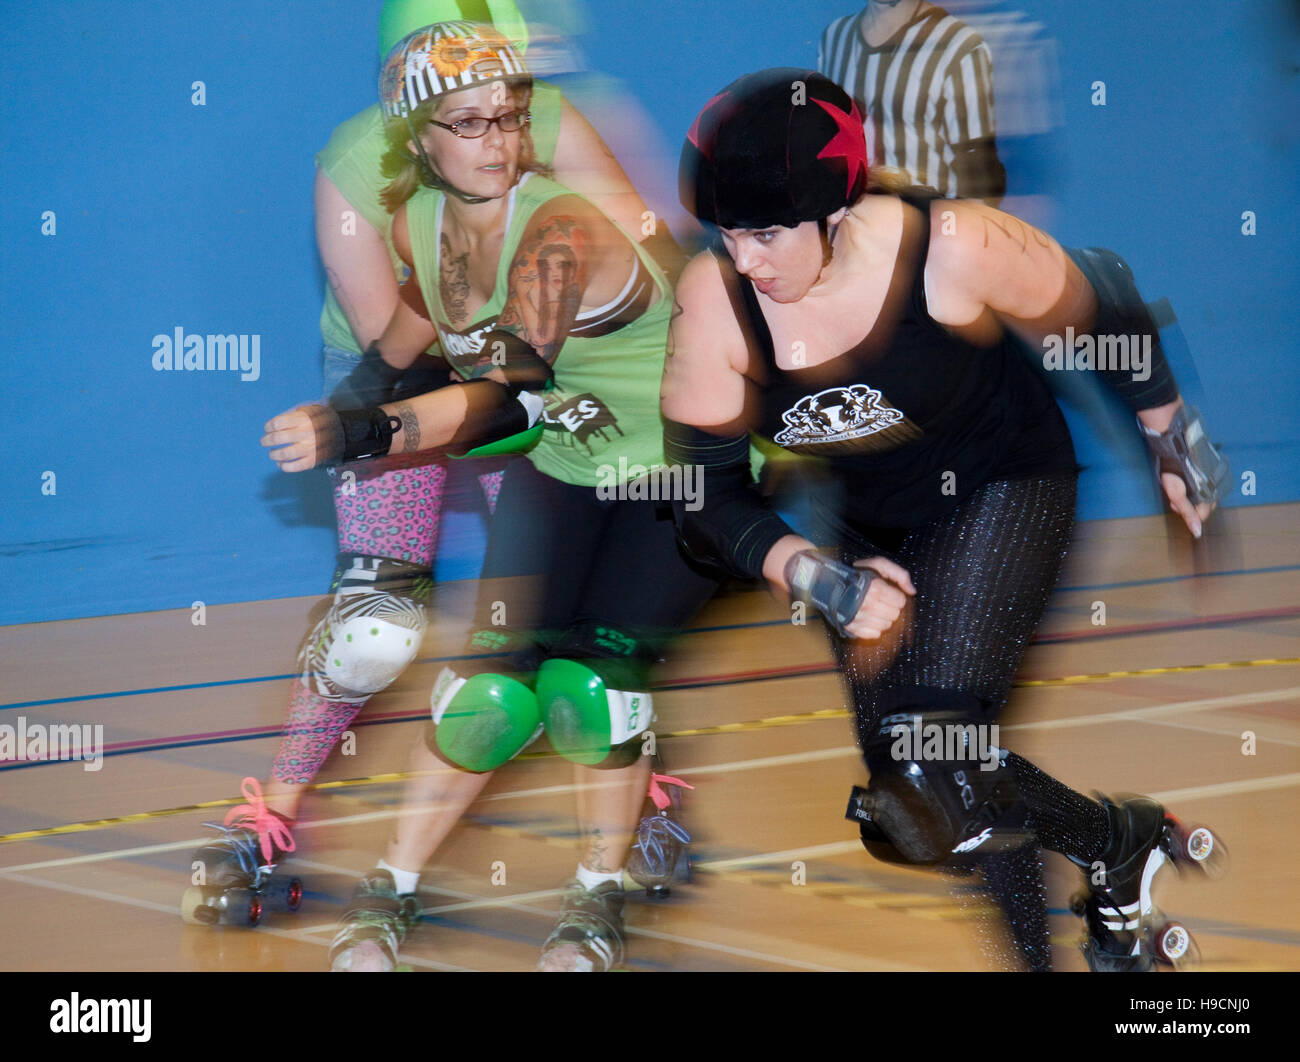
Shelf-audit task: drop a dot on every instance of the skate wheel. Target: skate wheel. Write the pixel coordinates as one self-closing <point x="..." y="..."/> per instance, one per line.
<point x="1174" y="945"/>
<point x="241" y="907"/>
<point x="1199" y="847"/>
<point x="283" y="894"/>
<point x="200" y="907"/>
<point x="658" y="892"/>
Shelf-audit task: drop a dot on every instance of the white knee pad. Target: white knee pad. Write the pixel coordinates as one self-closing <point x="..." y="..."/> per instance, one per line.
<point x="364" y="642"/>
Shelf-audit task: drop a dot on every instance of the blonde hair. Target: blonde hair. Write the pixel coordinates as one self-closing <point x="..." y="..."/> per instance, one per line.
<point x="403" y="168"/>
<point x="889" y="180"/>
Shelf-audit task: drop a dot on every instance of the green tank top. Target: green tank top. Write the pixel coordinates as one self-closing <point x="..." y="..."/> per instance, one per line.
<point x="601" y="419"/>
<point x="351" y="160"/>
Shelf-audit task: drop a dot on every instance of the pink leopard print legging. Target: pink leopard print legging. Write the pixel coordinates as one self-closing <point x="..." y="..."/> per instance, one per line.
<point x="391" y="513"/>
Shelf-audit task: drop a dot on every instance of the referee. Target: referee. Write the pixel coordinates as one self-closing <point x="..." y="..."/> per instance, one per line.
<point x="924" y="82"/>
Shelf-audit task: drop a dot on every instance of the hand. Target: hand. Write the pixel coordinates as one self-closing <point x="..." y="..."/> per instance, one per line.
<point x="1176" y="491"/>
<point x="294" y="433"/>
<point x="885" y="599"/>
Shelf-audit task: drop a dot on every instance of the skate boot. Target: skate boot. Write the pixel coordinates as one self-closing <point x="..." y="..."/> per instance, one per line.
<point x="658" y="854"/>
<point x="1126" y="932"/>
<point x="234" y="879"/>
<point x="588" y="938"/>
<point x="374" y="925"/>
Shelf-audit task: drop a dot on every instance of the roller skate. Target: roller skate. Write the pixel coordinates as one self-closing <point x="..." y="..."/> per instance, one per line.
<point x="659" y="854"/>
<point x="1126" y="932"/>
<point x="234" y="875"/>
<point x="373" y="926"/>
<point x="588" y="938"/>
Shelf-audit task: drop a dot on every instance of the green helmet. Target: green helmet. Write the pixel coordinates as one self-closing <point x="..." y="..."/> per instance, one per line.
<point x="400" y="18"/>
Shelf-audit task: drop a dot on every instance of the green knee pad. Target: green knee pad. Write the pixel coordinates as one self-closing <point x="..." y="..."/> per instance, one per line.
<point x="583" y="717"/>
<point x="483" y="721"/>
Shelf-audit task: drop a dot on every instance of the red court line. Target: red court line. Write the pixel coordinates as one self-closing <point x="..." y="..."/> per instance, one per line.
<point x="728" y="678"/>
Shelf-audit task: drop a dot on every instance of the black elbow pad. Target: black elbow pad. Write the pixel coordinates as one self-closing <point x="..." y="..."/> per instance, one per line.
<point x="1121" y="312"/>
<point x="733" y="529"/>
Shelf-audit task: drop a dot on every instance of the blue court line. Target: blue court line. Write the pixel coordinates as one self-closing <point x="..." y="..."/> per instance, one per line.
<point x="271" y="733"/>
<point x="1182" y="578"/>
<point x="693" y="630"/>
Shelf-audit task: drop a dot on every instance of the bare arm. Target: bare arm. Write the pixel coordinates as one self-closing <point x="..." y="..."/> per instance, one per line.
<point x="584" y="163"/>
<point x="704" y="382"/>
<point x="427" y="422"/>
<point x="356" y="262"/>
<point x="995" y="264"/>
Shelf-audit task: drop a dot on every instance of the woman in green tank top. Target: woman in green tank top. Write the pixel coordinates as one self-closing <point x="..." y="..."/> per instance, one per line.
<point x="388" y="512"/>
<point x="556" y="323"/>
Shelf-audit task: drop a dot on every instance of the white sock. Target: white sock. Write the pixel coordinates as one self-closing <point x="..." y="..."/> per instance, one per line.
<point x="591" y="879"/>
<point x="405" y="881"/>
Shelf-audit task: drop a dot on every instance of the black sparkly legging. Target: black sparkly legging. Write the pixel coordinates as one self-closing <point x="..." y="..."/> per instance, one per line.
<point x="983" y="574"/>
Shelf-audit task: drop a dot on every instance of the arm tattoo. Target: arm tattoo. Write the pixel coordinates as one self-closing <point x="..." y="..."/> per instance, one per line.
<point x="671" y="347"/>
<point x="336" y="286"/>
<point x="453" y="282"/>
<point x="410" y="426"/>
<point x="1039" y="238"/>
<point x="547" y="278"/>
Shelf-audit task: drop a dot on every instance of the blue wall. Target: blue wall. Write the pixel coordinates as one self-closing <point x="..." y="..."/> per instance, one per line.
<point x="171" y="215"/>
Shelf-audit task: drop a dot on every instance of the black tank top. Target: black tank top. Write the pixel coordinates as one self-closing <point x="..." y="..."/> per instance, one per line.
<point x="913" y="419"/>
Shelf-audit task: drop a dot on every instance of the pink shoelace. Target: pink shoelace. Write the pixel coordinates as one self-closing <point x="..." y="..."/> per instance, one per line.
<point x="657" y="795"/>
<point x="255" y="815"/>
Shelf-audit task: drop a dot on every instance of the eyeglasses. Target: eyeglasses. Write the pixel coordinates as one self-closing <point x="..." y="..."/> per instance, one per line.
<point x="474" y="128"/>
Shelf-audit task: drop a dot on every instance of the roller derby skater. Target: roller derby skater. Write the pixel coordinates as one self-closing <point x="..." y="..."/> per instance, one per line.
<point x="556" y="325"/>
<point x="877" y="330"/>
<point x="389" y="513"/>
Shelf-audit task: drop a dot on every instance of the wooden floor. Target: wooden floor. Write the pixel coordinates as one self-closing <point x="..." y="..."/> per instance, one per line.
<point x="1188" y="692"/>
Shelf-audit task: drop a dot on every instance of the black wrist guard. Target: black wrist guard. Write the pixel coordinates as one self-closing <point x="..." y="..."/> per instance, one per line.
<point x="1185" y="450"/>
<point x="352" y="434"/>
<point x="371" y="383"/>
<point x="834" y="589"/>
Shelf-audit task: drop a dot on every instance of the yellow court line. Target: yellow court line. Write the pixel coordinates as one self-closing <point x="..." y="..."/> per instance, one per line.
<point x="724" y="728"/>
<point x="1102" y="676"/>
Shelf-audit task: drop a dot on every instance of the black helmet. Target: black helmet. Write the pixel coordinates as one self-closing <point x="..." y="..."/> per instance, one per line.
<point x="779" y="147"/>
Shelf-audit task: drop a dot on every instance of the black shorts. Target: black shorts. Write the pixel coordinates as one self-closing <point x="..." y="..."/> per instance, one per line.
<point x="563" y="564"/>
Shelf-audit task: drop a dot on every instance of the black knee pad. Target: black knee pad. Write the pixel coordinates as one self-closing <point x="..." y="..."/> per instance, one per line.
<point x="939" y="789"/>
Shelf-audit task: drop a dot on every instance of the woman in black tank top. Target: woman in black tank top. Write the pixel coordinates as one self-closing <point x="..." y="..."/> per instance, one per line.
<point x="875" y="333"/>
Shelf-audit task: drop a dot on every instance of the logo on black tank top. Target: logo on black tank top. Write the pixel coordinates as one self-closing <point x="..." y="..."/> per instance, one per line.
<point x="842" y="414"/>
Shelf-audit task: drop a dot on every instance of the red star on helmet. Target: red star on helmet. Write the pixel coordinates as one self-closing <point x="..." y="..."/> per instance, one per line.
<point x="849" y="143"/>
<point x="694" y="135"/>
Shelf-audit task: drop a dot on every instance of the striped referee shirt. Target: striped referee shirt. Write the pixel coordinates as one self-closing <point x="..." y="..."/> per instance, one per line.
<point x="927" y="99"/>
